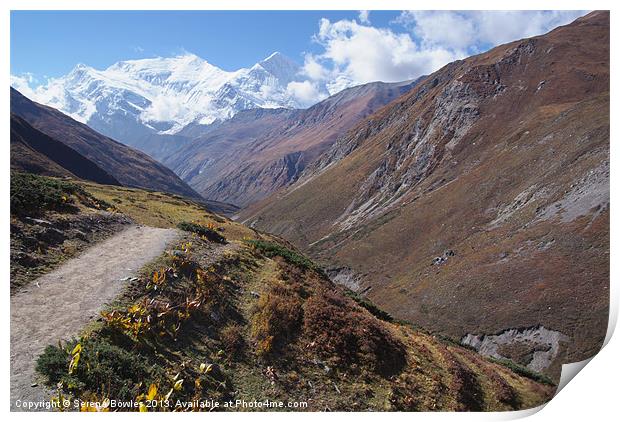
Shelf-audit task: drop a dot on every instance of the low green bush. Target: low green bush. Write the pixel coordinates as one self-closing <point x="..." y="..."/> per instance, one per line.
<point x="271" y="249"/>
<point x="32" y="194"/>
<point x="523" y="371"/>
<point x="101" y="365"/>
<point x="53" y="363"/>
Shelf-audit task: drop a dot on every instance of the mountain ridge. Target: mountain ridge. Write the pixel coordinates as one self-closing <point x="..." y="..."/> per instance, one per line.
<point x="128" y="166"/>
<point x="258" y="151"/>
<point x="35" y="152"/>
<point x="145" y="103"/>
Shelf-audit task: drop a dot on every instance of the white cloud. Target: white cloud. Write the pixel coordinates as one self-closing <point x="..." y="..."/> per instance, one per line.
<point x="306" y="93"/>
<point x="441" y="28"/>
<point x="354" y="52"/>
<point x="165" y="108"/>
<point x="313" y="69"/>
<point x="23" y="84"/>
<point x="475" y="31"/>
<point x="363" y="17"/>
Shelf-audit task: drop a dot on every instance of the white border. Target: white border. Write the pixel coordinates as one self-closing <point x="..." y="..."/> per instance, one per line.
<point x="591" y="395"/>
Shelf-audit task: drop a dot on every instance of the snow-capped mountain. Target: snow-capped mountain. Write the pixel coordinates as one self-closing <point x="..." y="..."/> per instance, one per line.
<point x="136" y="99"/>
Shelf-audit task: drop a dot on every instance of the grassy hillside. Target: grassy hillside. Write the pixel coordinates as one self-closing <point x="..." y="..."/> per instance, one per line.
<point x="249" y="318"/>
<point x="159" y="209"/>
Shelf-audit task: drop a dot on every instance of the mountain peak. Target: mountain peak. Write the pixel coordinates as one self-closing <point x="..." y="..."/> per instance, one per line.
<point x="80" y="68"/>
<point x="274" y="55"/>
<point x="280" y="66"/>
<point x="79" y="72"/>
<point x="132" y="91"/>
<point x="190" y="57"/>
<point x="278" y="58"/>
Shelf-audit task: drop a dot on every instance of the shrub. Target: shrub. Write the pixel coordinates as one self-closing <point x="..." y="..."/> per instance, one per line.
<point x="276" y="320"/>
<point x="32" y="194"/>
<point x="271" y="249"/>
<point x="53" y="363"/>
<point x="523" y="371"/>
<point x="346" y="334"/>
<point x="102" y="365"/>
<point x="369" y="306"/>
<point x="201" y="230"/>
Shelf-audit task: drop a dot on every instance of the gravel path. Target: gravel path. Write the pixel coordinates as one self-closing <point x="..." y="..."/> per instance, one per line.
<point x="59" y="304"/>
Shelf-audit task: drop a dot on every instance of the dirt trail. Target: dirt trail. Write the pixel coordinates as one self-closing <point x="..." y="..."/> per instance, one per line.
<point x="59" y="304"/>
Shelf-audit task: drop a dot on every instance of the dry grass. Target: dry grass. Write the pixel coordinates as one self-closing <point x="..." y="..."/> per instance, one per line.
<point x="345" y="333"/>
<point x="277" y="320"/>
<point x="159" y="209"/>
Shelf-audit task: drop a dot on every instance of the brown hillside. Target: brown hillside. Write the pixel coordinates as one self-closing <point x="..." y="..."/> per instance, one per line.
<point x="258" y="151"/>
<point x="35" y="152"/>
<point x="128" y="166"/>
<point x="478" y="202"/>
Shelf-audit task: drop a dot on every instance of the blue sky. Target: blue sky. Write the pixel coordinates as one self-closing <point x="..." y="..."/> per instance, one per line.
<point x="51" y="42"/>
<point x="340" y="48"/>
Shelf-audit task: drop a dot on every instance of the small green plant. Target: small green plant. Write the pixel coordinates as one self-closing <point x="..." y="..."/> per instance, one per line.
<point x="369" y="306"/>
<point x="271" y="249"/>
<point x="208" y="232"/>
<point x="101" y="365"/>
<point x="523" y="371"/>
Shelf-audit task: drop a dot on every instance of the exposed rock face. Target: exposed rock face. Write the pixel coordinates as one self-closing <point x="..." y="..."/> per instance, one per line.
<point x="503" y="157"/>
<point x="346" y="277"/>
<point x="534" y="347"/>
<point x="259" y="151"/>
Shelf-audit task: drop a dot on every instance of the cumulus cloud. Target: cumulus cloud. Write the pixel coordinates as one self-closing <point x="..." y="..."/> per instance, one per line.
<point x="306" y="92"/>
<point x="354" y="54"/>
<point x="363" y="17"/>
<point x="23" y="83"/>
<point x="475" y="31"/>
<point x="164" y="108"/>
<point x="417" y="43"/>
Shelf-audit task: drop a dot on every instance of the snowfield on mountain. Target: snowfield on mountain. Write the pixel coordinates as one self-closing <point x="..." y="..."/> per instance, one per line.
<point x="162" y="96"/>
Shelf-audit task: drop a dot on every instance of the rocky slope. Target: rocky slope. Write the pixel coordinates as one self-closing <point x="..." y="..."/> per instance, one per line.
<point x="258" y="151"/>
<point x="478" y="203"/>
<point x="126" y="165"/>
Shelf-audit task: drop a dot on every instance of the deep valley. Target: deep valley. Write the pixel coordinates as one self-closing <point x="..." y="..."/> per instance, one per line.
<point x="440" y="243"/>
